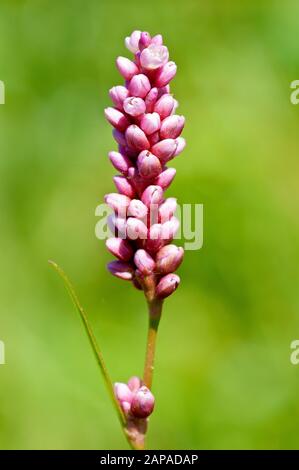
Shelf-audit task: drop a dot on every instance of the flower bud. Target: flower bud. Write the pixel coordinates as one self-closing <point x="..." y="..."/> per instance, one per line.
<point x="166" y="74"/>
<point x="136" y="138"/>
<point x="152" y="195"/>
<point x="119" y="137"/>
<point x="126" y="67"/>
<point x="121" y="270"/>
<point x="117" y="226"/>
<point x="172" y="126"/>
<point x="124" y="186"/>
<point x="154" y="240"/>
<point x="167" y="285"/>
<point x="151" y="99"/>
<point x="123" y="392"/>
<point x="149" y="165"/>
<point x="136" y="283"/>
<point x="139" y="85"/>
<point x="121" y="162"/>
<point x="118" y="202"/>
<point x="132" y="42"/>
<point x="150" y="123"/>
<point x="165" y="178"/>
<point x="169" y="258"/>
<point x="120" y="248"/>
<point x="137" y="209"/>
<point x="164" y="106"/>
<point x="154" y="138"/>
<point x="118" y="94"/>
<point x="116" y="119"/>
<point x="134" y="384"/>
<point x="134" y="106"/>
<point x="153" y="57"/>
<point x="144" y="262"/>
<point x="180" y="145"/>
<point x="167" y="209"/>
<point x="136" y="229"/>
<point x="158" y="40"/>
<point x="164" y="149"/>
<point x="143" y="403"/>
<point x="169" y="229"/>
<point x="136" y="180"/>
<point x="144" y="40"/>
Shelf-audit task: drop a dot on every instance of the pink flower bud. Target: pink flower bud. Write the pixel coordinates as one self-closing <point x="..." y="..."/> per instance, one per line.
<point x="136" y="180"/>
<point x="169" y="258"/>
<point x="154" y="138"/>
<point x="119" y="137"/>
<point x="180" y="145"/>
<point x="117" y="226"/>
<point x="158" y="40"/>
<point x="166" y="74"/>
<point x="144" y="262"/>
<point x="164" y="90"/>
<point x="116" y="119"/>
<point x="144" y="40"/>
<point x="169" y="229"/>
<point x="172" y="126"/>
<point x="132" y="42"/>
<point x="151" y="99"/>
<point x="120" y="248"/>
<point x="136" y="138"/>
<point x="154" y="240"/>
<point x="124" y="186"/>
<point x="134" y="384"/>
<point x="134" y="106"/>
<point x="152" y="195"/>
<point x="154" y="57"/>
<point x="150" y="123"/>
<point x="118" y="94"/>
<point x="137" y="209"/>
<point x="122" y="392"/>
<point x="149" y="165"/>
<point x="118" y="202"/>
<point x="167" y="285"/>
<point x="164" y="149"/>
<point x="126" y="67"/>
<point x="167" y="209"/>
<point x="139" y="85"/>
<point x="136" y="229"/>
<point x="121" y="162"/>
<point x="165" y="178"/>
<point x="164" y="106"/>
<point x="121" y="270"/>
<point x="143" y="403"/>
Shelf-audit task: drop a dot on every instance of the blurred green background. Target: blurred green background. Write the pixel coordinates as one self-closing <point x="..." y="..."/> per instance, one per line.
<point x="223" y="372"/>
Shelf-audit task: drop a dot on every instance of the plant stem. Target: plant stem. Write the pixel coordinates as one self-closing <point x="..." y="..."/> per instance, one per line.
<point x="97" y="352"/>
<point x="155" y="310"/>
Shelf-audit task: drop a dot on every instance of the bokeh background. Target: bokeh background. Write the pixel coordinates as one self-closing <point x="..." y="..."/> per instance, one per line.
<point x="223" y="374"/>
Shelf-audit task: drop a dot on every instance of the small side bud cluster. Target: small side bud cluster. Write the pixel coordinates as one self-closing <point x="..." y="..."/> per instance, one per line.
<point x="135" y="399"/>
<point x="148" y="134"/>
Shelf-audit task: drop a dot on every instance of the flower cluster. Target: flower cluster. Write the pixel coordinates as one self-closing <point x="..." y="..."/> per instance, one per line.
<point x="147" y="131"/>
<point x="135" y="399"/>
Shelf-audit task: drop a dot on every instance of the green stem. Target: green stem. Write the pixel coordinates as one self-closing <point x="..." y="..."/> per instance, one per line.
<point x="95" y="347"/>
<point x="155" y="310"/>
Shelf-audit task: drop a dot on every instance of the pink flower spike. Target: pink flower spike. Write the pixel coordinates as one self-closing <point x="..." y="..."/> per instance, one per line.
<point x="167" y="285"/>
<point x="150" y="123"/>
<point x="154" y="57"/>
<point x="121" y="270"/>
<point x="132" y="42"/>
<point x="169" y="258"/>
<point x="152" y="195"/>
<point x="124" y="186"/>
<point x="121" y="162"/>
<point x="137" y="209"/>
<point x="139" y="85"/>
<point x="136" y="138"/>
<point x="180" y="145"/>
<point x="172" y="126"/>
<point x="120" y="248"/>
<point x="149" y="165"/>
<point x="151" y="99"/>
<point x="134" y="383"/>
<point x="118" y="94"/>
<point x="166" y="74"/>
<point x="116" y="119"/>
<point x="144" y="262"/>
<point x="136" y="229"/>
<point x="164" y="106"/>
<point x="165" y="178"/>
<point x="134" y="106"/>
<point x="164" y="149"/>
<point x="143" y="403"/>
<point x="126" y="67"/>
<point x="144" y="40"/>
